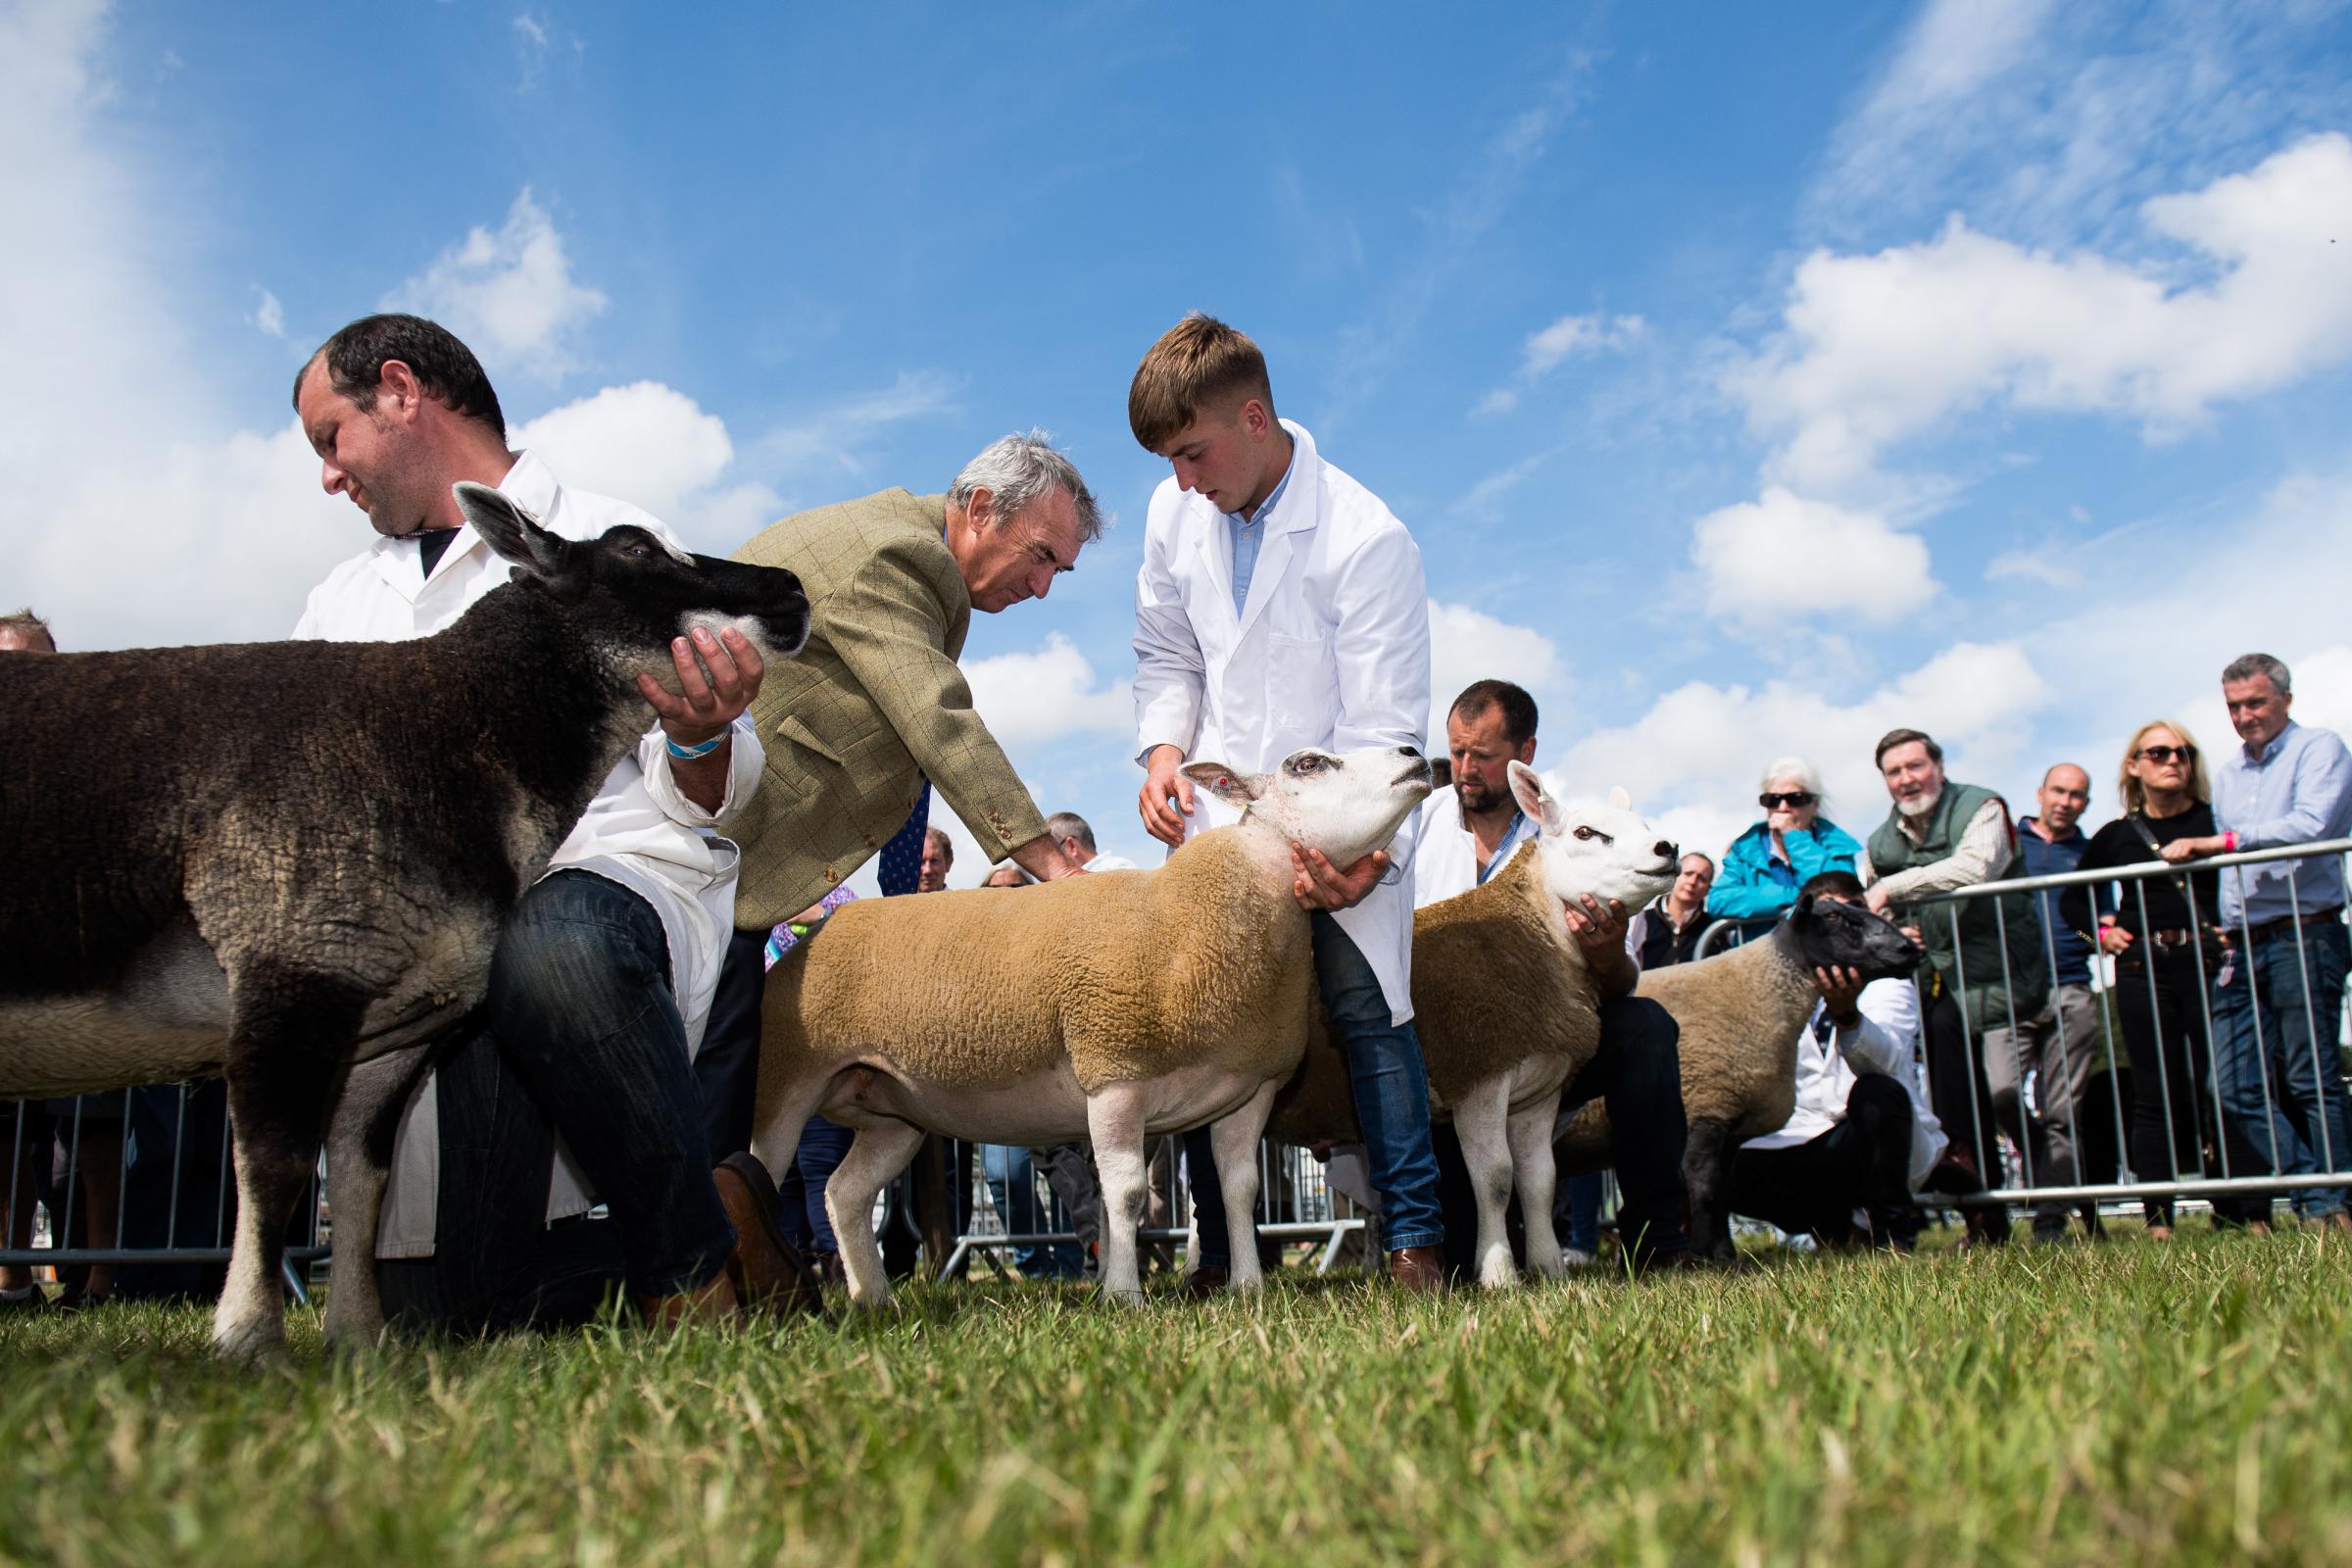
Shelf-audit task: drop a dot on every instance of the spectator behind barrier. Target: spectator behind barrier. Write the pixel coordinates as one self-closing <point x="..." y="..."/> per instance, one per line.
<point x="1984" y="962"/>
<point x="1766" y="865"/>
<point x="2062" y="1045"/>
<point x="1077" y="835"/>
<point x="1668" y="931"/>
<point x="1861" y="1136"/>
<point x="2164" y="955"/>
<point x="2283" y="784"/>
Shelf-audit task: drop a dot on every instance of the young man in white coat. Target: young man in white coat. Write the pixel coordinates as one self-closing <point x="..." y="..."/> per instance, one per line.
<point x="1281" y="606"/>
<point x="577" y="1086"/>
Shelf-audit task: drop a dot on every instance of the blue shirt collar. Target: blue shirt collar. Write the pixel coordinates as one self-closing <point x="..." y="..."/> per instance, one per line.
<point x="1265" y="508"/>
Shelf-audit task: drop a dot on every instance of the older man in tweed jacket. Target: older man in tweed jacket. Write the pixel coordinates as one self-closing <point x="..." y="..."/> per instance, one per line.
<point x="875" y="704"/>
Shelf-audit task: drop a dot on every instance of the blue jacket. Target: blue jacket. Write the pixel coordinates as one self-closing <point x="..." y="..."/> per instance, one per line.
<point x="1751" y="882"/>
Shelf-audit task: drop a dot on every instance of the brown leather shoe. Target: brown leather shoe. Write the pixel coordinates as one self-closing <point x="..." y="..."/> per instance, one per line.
<point x="712" y="1303"/>
<point x="1202" y="1284"/>
<point x="1419" y="1268"/>
<point x="768" y="1274"/>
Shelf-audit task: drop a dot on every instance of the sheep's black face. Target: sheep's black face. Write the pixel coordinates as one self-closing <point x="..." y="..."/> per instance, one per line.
<point x="1835" y="934"/>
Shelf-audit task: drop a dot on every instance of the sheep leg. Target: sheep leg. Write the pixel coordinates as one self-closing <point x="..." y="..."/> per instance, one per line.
<point x="878" y="1154"/>
<point x="1114" y="1123"/>
<point x="1481" y="1119"/>
<point x="358" y="1161"/>
<point x="776" y="1135"/>
<point x="1706" y="1182"/>
<point x="1234" y="1142"/>
<point x="1530" y="1133"/>
<point x="289" y="1033"/>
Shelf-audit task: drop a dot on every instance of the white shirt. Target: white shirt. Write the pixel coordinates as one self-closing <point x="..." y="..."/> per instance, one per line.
<point x="1886" y="1042"/>
<point x="1111" y="862"/>
<point x="1330" y="649"/>
<point x="640" y="831"/>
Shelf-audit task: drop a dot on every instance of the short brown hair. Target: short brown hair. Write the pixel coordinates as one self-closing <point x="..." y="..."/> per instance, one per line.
<point x="1198" y="362"/>
<point x="29" y="626"/>
<point x="1904" y="737"/>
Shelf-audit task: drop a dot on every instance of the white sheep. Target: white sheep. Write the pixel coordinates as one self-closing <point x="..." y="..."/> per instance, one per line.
<point x="1114" y="1007"/>
<point x="1739" y="1014"/>
<point x="1505" y="1010"/>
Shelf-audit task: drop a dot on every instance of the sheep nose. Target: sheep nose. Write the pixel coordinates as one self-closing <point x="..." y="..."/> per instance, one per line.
<point x="1406" y="751"/>
<point x="1665" y="851"/>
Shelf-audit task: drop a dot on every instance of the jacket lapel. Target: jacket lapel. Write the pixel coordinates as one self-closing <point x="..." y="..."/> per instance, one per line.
<point x="1294" y="513"/>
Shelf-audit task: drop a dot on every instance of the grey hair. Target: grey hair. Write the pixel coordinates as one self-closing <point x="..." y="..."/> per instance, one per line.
<point x="1016" y="469"/>
<point x="2245" y="667"/>
<point x="1069" y="825"/>
<point x="1795" y="767"/>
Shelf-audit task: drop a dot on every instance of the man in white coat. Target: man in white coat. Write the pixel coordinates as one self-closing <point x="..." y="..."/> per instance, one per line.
<point x="1281" y="606"/>
<point x="577" y="1084"/>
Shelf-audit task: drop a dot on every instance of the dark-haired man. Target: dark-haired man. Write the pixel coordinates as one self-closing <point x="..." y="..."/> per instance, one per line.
<point x="1861" y="1136"/>
<point x="1280" y="605"/>
<point x="577" y="1084"/>
<point x="1464" y="836"/>
<point x="1985" y="964"/>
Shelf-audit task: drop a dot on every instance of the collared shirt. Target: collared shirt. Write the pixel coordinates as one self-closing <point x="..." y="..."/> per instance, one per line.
<point x="1981" y="856"/>
<point x="2040" y="857"/>
<point x="1249" y="532"/>
<point x="2297" y="789"/>
<point x="640" y="831"/>
<point x="1829" y="1060"/>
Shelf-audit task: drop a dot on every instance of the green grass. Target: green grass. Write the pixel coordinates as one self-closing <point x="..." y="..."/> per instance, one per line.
<point x="2120" y="1405"/>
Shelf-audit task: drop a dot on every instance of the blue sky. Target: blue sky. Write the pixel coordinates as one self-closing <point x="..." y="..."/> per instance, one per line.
<point x="1753" y="380"/>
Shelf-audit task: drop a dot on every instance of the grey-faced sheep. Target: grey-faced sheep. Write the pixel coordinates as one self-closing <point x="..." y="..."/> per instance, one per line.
<point x="290" y="861"/>
<point x="1114" y="1007"/>
<point x="1506" y="1008"/>
<point x="1740" y="1013"/>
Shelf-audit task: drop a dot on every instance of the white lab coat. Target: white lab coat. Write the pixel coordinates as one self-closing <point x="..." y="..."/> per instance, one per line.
<point x="1330" y="650"/>
<point x="640" y="831"/>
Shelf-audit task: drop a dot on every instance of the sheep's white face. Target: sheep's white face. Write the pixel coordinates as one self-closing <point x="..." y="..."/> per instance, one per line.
<point x="1346" y="803"/>
<point x="1606" y="851"/>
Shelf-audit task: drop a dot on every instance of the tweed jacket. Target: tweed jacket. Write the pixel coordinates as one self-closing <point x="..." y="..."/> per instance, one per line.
<point x="872" y="706"/>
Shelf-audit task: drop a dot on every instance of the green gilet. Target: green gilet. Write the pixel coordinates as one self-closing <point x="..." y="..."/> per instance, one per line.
<point x="1970" y="966"/>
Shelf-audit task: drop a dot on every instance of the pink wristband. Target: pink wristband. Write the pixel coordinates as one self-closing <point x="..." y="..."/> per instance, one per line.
<point x="2229" y="842"/>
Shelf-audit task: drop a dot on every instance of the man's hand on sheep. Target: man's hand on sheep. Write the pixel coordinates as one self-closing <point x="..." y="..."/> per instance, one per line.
<point x="1874" y="898"/>
<point x="1044" y="858"/>
<point x="1321" y="885"/>
<point x="1599" y="927"/>
<point x="1840" y="988"/>
<point x="1167" y="795"/>
<point x="704" y="707"/>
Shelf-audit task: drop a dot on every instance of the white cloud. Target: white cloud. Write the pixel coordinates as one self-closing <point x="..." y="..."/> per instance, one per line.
<point x="1501" y="399"/>
<point x="1482" y="499"/>
<point x="509" y="294"/>
<point x="1690" y="761"/>
<point x="1467" y="645"/>
<point x="835" y="441"/>
<point x="1884" y="346"/>
<point x="2041" y="564"/>
<point x="1784" y="554"/>
<point x="1544" y="350"/>
<point x="270" y="317"/>
<point x="1042" y="696"/>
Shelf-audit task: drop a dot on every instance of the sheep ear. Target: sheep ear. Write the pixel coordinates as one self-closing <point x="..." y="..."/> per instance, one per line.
<point x="1802" y="909"/>
<point x="517" y="535"/>
<point x="1527" y="788"/>
<point x="1618" y="800"/>
<point x="1234" y="789"/>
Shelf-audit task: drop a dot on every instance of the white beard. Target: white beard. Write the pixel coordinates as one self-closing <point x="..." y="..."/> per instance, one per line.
<point x="1920" y="806"/>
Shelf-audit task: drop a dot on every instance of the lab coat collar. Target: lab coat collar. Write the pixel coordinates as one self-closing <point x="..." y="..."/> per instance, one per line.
<point x="1295" y="511"/>
<point x="529" y="484"/>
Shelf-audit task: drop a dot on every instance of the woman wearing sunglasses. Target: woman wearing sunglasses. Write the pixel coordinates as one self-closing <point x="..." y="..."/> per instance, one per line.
<point x="1766" y="865"/>
<point x="2161" y="935"/>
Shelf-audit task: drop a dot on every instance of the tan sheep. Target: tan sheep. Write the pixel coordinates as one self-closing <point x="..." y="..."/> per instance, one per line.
<point x="1740" y="1013"/>
<point x="1114" y="1007"/>
<point x="1506" y="1012"/>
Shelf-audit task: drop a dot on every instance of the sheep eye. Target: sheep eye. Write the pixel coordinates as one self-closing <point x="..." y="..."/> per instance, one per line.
<point x="1593" y="833"/>
<point x="1307" y="764"/>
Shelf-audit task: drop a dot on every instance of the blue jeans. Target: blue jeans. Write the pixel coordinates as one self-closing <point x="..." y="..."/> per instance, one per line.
<point x="816" y="1158"/>
<point x="2286" y="1090"/>
<point x="578" y="1036"/>
<point x="1011" y="1174"/>
<point x="1391" y="1105"/>
<point x="1579" y="1198"/>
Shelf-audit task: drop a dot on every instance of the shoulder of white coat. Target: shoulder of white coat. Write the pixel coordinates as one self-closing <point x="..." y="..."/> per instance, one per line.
<point x="585" y="514"/>
<point x="1173" y="510"/>
<point x="1351" y="508"/>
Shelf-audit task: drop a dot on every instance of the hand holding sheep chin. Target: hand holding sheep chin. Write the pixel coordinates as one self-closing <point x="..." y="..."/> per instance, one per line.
<point x="1598" y="928"/>
<point x="1840" y="989"/>
<point x="705" y="707"/>
<point x="1321" y="885"/>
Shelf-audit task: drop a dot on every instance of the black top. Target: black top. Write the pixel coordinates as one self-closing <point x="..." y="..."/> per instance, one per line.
<point x="1662" y="945"/>
<point x="431" y="545"/>
<point x="2119" y="844"/>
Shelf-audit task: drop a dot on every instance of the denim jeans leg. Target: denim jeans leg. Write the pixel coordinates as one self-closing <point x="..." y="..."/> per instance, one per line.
<point x="824" y="1146"/>
<point x="2294" y="973"/>
<point x="582" y="1006"/>
<point x="2244" y="1035"/>
<point x="1392" y="1089"/>
<point x="1209" y="1202"/>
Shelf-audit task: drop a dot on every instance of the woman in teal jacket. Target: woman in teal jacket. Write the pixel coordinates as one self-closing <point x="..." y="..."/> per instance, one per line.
<point x="1766" y="865"/>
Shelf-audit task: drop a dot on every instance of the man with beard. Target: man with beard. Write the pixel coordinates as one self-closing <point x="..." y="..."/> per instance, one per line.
<point x="1984" y="966"/>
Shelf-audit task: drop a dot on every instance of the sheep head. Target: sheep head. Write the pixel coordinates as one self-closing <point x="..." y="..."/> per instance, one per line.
<point x="631" y="591"/>
<point x="1346" y="803"/>
<point x="1606" y="851"/>
<point x="1832" y="933"/>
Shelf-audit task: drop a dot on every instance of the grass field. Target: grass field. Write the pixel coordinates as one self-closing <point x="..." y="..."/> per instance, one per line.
<point x="2126" y="1404"/>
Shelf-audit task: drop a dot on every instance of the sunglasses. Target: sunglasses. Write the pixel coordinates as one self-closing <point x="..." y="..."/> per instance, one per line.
<point x="2165" y="754"/>
<point x="1768" y="799"/>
